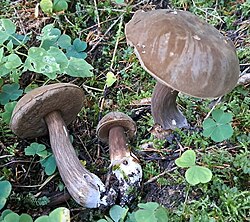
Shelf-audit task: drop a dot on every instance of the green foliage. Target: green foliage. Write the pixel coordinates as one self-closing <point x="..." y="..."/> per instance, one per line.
<point x="110" y="79"/>
<point x="148" y="212"/>
<point x="55" y="55"/>
<point x="151" y="212"/>
<point x="59" y="214"/>
<point x="49" y="6"/>
<point x="47" y="159"/>
<point x="219" y="127"/>
<point x="49" y="164"/>
<point x="194" y="174"/>
<point x="10" y="92"/>
<point x="5" y="187"/>
<point x="8" y="109"/>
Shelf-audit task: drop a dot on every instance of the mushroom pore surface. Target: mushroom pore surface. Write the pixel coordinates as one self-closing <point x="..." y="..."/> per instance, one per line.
<point x="184" y="52"/>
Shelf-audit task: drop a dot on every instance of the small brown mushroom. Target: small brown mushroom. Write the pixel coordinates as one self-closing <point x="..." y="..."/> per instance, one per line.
<point x="49" y="109"/>
<point x="185" y="54"/>
<point x="114" y="128"/>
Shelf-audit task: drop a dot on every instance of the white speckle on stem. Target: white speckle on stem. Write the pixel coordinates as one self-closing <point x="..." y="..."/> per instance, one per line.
<point x="173" y="122"/>
<point x="65" y="131"/>
<point x="196" y="37"/>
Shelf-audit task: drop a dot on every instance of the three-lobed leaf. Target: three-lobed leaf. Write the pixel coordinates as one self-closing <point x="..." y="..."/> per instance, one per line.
<point x="195" y="174"/>
<point x="219" y="127"/>
<point x="10" y="92"/>
<point x="36" y="149"/>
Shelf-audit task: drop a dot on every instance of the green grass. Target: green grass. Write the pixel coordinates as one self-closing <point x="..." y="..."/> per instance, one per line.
<point x="225" y="198"/>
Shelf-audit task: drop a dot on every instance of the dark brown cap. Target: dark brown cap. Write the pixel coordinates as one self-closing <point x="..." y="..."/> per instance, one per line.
<point x="115" y="119"/>
<point x="27" y="119"/>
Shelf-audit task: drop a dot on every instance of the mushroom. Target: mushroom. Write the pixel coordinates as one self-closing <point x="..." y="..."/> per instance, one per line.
<point x="49" y="109"/>
<point x="114" y="128"/>
<point x="185" y="54"/>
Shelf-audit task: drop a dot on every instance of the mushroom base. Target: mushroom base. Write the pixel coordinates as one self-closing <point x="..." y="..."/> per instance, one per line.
<point x="164" y="108"/>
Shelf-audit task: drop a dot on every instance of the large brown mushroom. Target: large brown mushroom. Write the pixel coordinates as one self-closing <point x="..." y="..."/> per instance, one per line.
<point x="49" y="109"/>
<point x="185" y="54"/>
<point x="116" y="128"/>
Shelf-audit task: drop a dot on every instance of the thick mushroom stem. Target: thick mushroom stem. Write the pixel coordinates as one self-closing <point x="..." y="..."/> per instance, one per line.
<point x="118" y="147"/>
<point x="124" y="165"/>
<point x="82" y="185"/>
<point x="164" y="108"/>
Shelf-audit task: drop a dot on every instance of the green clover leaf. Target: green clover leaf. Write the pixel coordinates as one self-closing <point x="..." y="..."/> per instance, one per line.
<point x="10" y="92"/>
<point x="198" y="174"/>
<point x="7" y="28"/>
<point x="8" y="109"/>
<point x="5" y="187"/>
<point x="187" y="159"/>
<point x="46" y="6"/>
<point x="219" y="127"/>
<point x="79" y="68"/>
<point x="60" y="5"/>
<point x="36" y="149"/>
<point x="195" y="174"/>
<point x="76" y="50"/>
<point x="49" y="164"/>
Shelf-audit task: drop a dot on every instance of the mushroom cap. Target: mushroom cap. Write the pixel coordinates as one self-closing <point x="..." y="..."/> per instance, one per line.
<point x="27" y="119"/>
<point x="184" y="52"/>
<point x="115" y="119"/>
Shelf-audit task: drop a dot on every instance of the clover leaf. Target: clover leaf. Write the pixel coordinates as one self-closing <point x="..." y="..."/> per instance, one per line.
<point x="60" y="5"/>
<point x="49" y="164"/>
<point x="10" y="92"/>
<point x="198" y="174"/>
<point x="5" y="187"/>
<point x="76" y="49"/>
<point x="8" y="109"/>
<point x="187" y="159"/>
<point x="36" y="149"/>
<point x="195" y="174"/>
<point x="59" y="214"/>
<point x="219" y="126"/>
<point x="151" y="212"/>
<point x="7" y="28"/>
<point x="79" y="68"/>
<point x="46" y="6"/>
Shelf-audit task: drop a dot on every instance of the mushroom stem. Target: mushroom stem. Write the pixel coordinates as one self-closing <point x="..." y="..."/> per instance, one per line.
<point x="164" y="108"/>
<point x="117" y="143"/>
<point x="82" y="185"/>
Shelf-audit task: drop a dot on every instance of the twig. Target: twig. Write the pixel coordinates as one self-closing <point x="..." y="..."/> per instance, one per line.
<point x="215" y="104"/>
<point x="107" y="31"/>
<point x="117" y="42"/>
<point x="159" y="175"/>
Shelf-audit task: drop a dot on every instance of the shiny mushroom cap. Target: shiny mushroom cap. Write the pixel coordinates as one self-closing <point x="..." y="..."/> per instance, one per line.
<point x="184" y="52"/>
<point x="27" y="119"/>
<point x="115" y="119"/>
